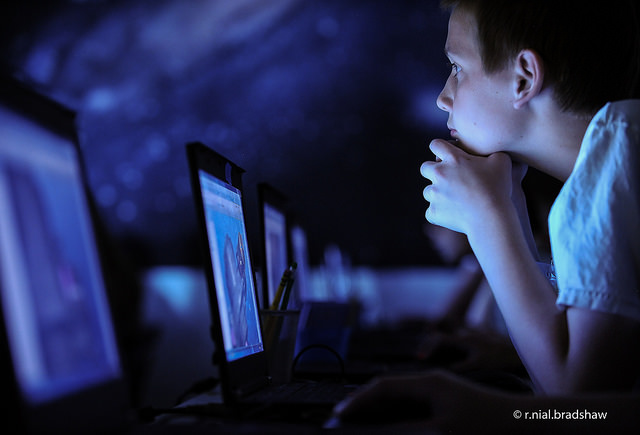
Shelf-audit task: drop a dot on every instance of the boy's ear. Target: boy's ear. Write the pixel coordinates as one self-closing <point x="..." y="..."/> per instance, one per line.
<point x="529" y="75"/>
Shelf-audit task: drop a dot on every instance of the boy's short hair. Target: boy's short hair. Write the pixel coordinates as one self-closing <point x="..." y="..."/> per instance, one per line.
<point x="591" y="50"/>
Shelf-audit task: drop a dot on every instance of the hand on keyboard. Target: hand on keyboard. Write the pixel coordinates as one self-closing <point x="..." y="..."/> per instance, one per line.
<point x="434" y="399"/>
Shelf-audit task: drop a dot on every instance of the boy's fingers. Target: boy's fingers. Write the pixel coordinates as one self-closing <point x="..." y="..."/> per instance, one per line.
<point x="442" y="149"/>
<point x="361" y="399"/>
<point x="426" y="169"/>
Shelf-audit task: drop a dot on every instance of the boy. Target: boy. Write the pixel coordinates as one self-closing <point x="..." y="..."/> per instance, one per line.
<point x="529" y="85"/>
<point x="546" y="84"/>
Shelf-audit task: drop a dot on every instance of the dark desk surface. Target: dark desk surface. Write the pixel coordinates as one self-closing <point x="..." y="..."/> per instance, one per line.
<point x="190" y="426"/>
<point x="204" y="413"/>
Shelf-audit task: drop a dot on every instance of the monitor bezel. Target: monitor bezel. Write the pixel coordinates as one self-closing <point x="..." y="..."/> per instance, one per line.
<point x="248" y="373"/>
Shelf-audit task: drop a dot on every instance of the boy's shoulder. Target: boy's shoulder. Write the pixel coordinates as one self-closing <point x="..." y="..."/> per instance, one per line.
<point x="613" y="136"/>
<point x="622" y="110"/>
<point x="616" y="116"/>
<point x="610" y="133"/>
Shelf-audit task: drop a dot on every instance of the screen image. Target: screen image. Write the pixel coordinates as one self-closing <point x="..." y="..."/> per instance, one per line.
<point x="275" y="240"/>
<point x="301" y="257"/>
<point x="235" y="291"/>
<point x="53" y="297"/>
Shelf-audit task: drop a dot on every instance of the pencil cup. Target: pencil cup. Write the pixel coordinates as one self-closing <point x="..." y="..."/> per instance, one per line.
<point x="280" y="329"/>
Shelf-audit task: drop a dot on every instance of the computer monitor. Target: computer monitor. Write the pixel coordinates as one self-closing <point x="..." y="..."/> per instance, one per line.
<point x="275" y="243"/>
<point x="59" y="346"/>
<point x="218" y="198"/>
<point x="300" y="254"/>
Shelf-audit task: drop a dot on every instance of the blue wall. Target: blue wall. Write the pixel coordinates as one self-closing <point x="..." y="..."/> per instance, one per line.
<point x="332" y="102"/>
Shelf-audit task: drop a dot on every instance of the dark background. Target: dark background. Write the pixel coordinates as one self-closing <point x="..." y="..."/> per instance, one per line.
<point x="332" y="102"/>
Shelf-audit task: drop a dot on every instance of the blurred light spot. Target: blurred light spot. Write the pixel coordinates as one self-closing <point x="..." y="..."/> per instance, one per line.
<point x="100" y="100"/>
<point x="127" y="211"/>
<point x="41" y="64"/>
<point x="327" y="27"/>
<point x="157" y="147"/>
<point x="106" y="195"/>
<point x="129" y="176"/>
<point x="178" y="286"/>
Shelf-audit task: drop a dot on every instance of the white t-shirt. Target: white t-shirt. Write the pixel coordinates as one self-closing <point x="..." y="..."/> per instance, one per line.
<point x="594" y="224"/>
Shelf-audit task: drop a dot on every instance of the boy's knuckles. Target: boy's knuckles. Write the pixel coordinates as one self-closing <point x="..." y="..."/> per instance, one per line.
<point x="426" y="192"/>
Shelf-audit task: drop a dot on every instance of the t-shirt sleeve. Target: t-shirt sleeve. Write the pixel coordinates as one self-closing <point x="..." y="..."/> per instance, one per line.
<point x="594" y="222"/>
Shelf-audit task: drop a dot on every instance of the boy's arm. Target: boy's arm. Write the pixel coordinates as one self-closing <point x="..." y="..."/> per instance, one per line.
<point x="563" y="350"/>
<point x="518" y="172"/>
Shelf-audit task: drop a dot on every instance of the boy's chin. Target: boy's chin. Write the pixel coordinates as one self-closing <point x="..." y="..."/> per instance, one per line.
<point x="467" y="148"/>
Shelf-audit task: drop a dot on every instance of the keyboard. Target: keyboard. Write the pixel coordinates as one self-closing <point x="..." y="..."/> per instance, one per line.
<point x="307" y="392"/>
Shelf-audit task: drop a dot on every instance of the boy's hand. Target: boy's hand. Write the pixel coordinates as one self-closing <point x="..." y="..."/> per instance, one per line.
<point x="465" y="189"/>
<point x="429" y="400"/>
<point x="518" y="171"/>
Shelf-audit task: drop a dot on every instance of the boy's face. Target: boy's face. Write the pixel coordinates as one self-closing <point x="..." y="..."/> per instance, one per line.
<point x="480" y="106"/>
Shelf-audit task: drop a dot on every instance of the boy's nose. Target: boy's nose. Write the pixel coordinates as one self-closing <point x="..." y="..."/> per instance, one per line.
<point x="444" y="100"/>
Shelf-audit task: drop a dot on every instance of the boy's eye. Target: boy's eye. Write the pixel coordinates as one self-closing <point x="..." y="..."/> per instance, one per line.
<point x="454" y="68"/>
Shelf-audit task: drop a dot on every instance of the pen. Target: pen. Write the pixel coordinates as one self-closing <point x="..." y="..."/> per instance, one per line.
<point x="283" y="284"/>
<point x="287" y="292"/>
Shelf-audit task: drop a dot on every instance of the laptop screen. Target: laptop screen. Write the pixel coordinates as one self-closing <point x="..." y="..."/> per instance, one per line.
<point x="300" y="254"/>
<point x="56" y="315"/>
<point x="234" y="284"/>
<point x="275" y="239"/>
<point x="275" y="244"/>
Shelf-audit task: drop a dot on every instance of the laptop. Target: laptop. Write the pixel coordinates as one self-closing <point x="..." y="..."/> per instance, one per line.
<point x="60" y="361"/>
<point x="275" y="241"/>
<point x="245" y="381"/>
<point x="300" y="254"/>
